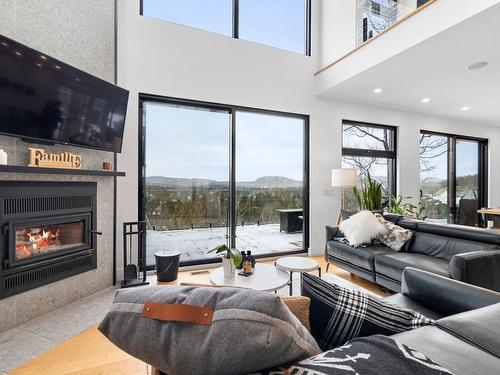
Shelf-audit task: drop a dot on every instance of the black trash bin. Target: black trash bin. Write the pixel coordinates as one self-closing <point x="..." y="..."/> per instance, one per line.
<point x="167" y="265"/>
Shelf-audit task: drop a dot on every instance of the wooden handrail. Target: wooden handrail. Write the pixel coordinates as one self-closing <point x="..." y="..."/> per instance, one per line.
<point x="401" y="20"/>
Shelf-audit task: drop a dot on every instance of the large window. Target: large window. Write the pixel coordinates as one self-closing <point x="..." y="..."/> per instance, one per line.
<point x="453" y="177"/>
<point x="217" y="174"/>
<point x="370" y="149"/>
<point x="283" y="24"/>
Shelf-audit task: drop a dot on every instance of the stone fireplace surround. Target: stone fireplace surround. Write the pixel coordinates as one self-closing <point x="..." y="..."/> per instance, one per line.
<point x="28" y="305"/>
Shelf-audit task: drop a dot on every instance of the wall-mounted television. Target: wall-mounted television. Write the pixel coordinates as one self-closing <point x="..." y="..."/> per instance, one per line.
<point x="47" y="101"/>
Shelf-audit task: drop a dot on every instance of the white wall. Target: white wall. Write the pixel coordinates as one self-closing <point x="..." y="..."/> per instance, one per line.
<point x="337" y="34"/>
<point x="432" y="20"/>
<point x="160" y="58"/>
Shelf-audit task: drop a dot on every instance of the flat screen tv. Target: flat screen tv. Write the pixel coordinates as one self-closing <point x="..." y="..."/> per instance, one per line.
<point x="47" y="101"/>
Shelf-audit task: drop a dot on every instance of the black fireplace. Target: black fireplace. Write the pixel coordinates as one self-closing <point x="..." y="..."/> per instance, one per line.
<point x="48" y="232"/>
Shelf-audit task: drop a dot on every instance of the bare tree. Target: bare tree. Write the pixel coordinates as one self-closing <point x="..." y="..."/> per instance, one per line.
<point x="431" y="147"/>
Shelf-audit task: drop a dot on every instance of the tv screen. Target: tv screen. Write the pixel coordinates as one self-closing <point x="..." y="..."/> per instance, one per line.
<point x="44" y="99"/>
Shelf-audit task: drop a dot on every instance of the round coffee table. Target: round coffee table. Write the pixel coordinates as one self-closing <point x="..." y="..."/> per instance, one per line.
<point x="265" y="277"/>
<point x="297" y="264"/>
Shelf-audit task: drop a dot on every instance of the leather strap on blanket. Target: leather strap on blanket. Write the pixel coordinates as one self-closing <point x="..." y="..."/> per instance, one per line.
<point x="178" y="312"/>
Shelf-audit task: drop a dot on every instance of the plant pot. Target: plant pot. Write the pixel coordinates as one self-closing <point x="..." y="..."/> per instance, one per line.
<point x="227" y="266"/>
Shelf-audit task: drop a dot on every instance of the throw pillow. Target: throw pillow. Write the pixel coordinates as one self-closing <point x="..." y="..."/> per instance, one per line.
<point x="340" y="314"/>
<point x="395" y="237"/>
<point x="368" y="356"/>
<point x="186" y="330"/>
<point x="361" y="228"/>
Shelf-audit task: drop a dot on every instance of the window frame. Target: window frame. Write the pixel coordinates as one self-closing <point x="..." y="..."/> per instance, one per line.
<point x="378" y="154"/>
<point x="235" y="12"/>
<point x="483" y="168"/>
<point x="231" y="109"/>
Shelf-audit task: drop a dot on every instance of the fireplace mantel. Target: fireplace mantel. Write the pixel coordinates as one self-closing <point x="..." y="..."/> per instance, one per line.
<point x="81" y="172"/>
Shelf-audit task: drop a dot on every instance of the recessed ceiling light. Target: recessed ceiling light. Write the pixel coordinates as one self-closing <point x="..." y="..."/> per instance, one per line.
<point x="426" y="100"/>
<point x="466" y="108"/>
<point x="478" y="65"/>
<point x="378" y="90"/>
<point x="18" y="53"/>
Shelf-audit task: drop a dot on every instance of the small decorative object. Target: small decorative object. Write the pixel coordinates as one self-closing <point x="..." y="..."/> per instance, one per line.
<point x="247" y="267"/>
<point x="3" y="157"/>
<point x="243" y="256"/>
<point x="251" y="258"/>
<point x="107" y="166"/>
<point x="231" y="258"/>
<point x="39" y="158"/>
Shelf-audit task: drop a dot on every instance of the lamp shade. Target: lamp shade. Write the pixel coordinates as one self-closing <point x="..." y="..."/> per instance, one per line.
<point x="343" y="177"/>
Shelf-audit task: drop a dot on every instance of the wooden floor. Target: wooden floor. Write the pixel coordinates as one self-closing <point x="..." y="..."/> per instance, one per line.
<point x="90" y="353"/>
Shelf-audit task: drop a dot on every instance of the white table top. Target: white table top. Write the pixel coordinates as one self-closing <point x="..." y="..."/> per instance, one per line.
<point x="297" y="264"/>
<point x="265" y="277"/>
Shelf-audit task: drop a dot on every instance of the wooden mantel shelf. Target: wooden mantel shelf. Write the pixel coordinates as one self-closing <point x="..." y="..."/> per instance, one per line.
<point x="82" y="172"/>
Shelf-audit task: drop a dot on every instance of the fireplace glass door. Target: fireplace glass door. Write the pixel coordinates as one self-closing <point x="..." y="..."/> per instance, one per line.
<point x="45" y="239"/>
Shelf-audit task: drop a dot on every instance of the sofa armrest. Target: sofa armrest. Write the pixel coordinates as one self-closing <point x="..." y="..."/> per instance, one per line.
<point x="331" y="232"/>
<point x="481" y="268"/>
<point x="443" y="295"/>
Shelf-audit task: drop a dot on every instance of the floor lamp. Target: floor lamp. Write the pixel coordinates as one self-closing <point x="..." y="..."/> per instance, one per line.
<point x="342" y="178"/>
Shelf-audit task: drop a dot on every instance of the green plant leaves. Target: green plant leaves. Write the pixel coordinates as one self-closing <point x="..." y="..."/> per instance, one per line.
<point x="369" y="196"/>
<point x="234" y="254"/>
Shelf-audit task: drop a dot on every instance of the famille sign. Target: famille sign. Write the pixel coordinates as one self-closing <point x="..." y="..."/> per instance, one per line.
<point x="39" y="158"/>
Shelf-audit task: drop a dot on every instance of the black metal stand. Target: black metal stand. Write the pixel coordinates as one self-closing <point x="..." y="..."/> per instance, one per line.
<point x="132" y="272"/>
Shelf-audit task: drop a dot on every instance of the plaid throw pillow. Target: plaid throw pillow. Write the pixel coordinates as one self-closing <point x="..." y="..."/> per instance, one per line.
<point x="338" y="314"/>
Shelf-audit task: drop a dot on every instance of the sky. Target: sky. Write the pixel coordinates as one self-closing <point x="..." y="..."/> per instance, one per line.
<point x="194" y="143"/>
<point x="467" y="160"/>
<point x="278" y="23"/>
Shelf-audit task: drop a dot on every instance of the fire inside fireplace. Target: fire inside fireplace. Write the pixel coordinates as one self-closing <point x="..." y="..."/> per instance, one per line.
<point x="35" y="241"/>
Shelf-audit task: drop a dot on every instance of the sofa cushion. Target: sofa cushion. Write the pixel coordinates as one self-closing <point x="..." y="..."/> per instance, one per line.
<point x="244" y="330"/>
<point x="399" y="299"/>
<point x="442" y="247"/>
<point x="392" y="265"/>
<point x="340" y="314"/>
<point x="479" y="327"/>
<point x="449" y="351"/>
<point x="461" y="232"/>
<point x="359" y="256"/>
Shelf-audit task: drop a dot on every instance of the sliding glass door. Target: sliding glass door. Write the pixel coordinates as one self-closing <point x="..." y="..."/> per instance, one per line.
<point x="212" y="174"/>
<point x="269" y="182"/>
<point x="453" y="180"/>
<point x="186" y="181"/>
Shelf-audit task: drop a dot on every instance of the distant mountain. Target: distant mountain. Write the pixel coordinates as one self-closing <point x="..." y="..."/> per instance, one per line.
<point x="182" y="182"/>
<point x="261" y="182"/>
<point x="272" y="182"/>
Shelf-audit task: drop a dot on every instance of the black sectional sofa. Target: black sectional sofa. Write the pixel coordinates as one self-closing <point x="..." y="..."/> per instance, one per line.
<point x="466" y="336"/>
<point x="466" y="254"/>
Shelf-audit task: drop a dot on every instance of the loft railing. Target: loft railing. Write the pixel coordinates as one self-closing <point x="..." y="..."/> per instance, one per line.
<point x="376" y="17"/>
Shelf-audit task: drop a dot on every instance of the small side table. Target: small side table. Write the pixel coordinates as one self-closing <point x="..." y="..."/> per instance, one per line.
<point x="297" y="264"/>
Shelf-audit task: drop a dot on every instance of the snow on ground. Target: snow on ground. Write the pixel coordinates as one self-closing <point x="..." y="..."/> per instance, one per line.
<point x="194" y="243"/>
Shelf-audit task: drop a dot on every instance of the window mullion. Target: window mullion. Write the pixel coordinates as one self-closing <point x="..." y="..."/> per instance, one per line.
<point x="236" y="19"/>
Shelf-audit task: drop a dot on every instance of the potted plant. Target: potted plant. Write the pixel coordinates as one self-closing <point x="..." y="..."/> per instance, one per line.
<point x="231" y="258"/>
<point x="397" y="206"/>
<point x="369" y="195"/>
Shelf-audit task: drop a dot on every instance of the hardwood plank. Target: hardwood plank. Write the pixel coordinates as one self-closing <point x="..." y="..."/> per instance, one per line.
<point x="85" y="354"/>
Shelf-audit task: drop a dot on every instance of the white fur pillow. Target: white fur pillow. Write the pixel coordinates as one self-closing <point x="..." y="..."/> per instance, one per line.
<point x="362" y="228"/>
